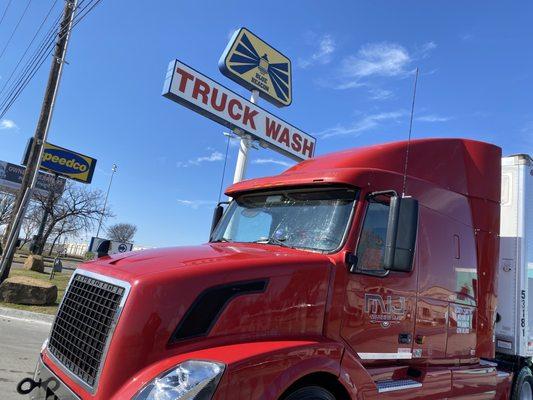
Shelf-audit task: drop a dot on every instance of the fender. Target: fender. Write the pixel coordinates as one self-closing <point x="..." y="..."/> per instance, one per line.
<point x="280" y="363"/>
<point x="269" y="374"/>
<point x="355" y="378"/>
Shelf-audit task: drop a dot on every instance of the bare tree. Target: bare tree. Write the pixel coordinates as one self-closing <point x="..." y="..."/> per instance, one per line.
<point x="75" y="210"/>
<point x="6" y="205"/>
<point x="67" y="227"/>
<point x="122" y="232"/>
<point x="29" y="227"/>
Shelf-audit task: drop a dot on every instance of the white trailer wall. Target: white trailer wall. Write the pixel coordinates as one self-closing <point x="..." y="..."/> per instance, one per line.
<point x="515" y="274"/>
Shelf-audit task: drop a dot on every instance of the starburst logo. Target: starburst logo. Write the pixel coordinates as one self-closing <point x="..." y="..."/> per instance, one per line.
<point x="254" y="64"/>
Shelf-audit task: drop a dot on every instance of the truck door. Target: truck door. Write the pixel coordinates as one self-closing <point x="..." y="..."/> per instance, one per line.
<point x="379" y="311"/>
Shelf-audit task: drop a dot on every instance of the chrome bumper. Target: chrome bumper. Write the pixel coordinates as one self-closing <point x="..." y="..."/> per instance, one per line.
<point x="51" y="387"/>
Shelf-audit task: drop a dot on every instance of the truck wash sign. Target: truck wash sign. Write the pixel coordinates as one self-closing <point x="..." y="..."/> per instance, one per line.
<point x="67" y="163"/>
<point x="193" y="90"/>
<point x="254" y="64"/>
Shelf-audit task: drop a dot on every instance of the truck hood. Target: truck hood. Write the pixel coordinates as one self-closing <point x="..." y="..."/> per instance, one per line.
<point x="132" y="265"/>
<point x="168" y="284"/>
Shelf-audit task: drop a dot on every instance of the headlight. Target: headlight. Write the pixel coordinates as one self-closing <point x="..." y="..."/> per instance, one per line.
<point x="190" y="380"/>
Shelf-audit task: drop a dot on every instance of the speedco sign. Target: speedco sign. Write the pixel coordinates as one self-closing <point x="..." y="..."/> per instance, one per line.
<point x="209" y="98"/>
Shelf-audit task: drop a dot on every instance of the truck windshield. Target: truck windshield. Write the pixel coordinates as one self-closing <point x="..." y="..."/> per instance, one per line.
<point x="306" y="219"/>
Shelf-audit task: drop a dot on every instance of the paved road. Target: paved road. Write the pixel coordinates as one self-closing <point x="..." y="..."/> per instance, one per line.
<point x="20" y="342"/>
<point x="71" y="265"/>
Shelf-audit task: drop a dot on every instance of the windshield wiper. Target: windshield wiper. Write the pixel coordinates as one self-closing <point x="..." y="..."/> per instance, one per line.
<point x="222" y="239"/>
<point x="274" y="241"/>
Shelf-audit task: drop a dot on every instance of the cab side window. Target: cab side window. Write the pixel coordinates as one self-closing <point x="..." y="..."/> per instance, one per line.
<point x="371" y="248"/>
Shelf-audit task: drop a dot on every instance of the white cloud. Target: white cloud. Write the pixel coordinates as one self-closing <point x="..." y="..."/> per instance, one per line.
<point x="8" y="124"/>
<point x="433" y="118"/>
<point x="379" y="60"/>
<point x="323" y="55"/>
<point x="380" y="94"/>
<point x="349" y="84"/>
<point x="362" y="125"/>
<point x="195" y="204"/>
<point x="272" y="161"/>
<point x="213" y="157"/>
<point x="426" y="48"/>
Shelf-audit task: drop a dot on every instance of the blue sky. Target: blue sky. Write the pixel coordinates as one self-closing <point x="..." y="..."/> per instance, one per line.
<point x="353" y="66"/>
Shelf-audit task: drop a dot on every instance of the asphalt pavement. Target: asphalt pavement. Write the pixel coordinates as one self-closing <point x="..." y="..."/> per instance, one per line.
<point x="21" y="337"/>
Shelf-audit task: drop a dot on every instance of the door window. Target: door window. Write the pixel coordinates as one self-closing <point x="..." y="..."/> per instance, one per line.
<point x="371" y="248"/>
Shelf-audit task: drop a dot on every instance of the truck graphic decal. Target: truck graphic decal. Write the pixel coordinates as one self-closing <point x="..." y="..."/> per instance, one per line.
<point x="384" y="311"/>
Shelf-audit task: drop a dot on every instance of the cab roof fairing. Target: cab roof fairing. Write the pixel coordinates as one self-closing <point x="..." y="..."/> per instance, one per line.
<point x="463" y="166"/>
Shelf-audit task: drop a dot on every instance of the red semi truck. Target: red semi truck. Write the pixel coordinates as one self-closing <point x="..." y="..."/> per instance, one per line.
<point x="341" y="278"/>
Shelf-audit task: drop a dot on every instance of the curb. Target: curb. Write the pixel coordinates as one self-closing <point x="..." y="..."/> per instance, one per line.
<point x="27" y="316"/>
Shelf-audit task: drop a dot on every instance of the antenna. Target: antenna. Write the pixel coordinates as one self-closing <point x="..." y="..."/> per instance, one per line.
<point x="409" y="138"/>
<point x="224" y="168"/>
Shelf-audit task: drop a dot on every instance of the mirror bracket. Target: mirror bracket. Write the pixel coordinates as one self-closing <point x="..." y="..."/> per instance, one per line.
<point x="351" y="261"/>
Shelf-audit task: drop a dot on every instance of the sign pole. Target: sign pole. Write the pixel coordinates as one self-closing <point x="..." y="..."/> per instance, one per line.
<point x="244" y="148"/>
<point x="113" y="170"/>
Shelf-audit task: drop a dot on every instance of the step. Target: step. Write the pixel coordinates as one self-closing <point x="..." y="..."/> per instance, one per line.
<point x="391" y="385"/>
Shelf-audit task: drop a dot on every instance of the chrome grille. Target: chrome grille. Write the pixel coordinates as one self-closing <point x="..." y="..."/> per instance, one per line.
<point x="83" y="324"/>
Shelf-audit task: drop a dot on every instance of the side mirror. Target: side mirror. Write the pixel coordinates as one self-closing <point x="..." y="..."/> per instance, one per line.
<point x="217" y="215"/>
<point x="401" y="234"/>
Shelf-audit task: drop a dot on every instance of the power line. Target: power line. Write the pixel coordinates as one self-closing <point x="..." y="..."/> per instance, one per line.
<point x="15" y="29"/>
<point x="48" y="37"/>
<point x="5" y="12"/>
<point x="38" y="61"/>
<point x="28" y="47"/>
<point x="41" y="47"/>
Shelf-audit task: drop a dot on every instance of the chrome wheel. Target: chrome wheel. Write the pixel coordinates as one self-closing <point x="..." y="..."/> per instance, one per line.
<point x="525" y="392"/>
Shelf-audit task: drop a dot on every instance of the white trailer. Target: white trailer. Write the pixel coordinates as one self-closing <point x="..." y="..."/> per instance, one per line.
<point x="514" y="338"/>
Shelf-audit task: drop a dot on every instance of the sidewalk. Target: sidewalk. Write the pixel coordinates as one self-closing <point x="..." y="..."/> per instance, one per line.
<point x="26" y="316"/>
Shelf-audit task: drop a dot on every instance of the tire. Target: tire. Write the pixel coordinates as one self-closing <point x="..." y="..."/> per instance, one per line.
<point x="523" y="386"/>
<point x="310" y="393"/>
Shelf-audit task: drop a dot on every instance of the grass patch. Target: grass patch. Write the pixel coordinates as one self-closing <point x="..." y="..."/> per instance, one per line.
<point x="60" y="280"/>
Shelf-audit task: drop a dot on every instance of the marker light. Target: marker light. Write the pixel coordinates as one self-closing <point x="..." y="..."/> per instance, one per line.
<point x="190" y="380"/>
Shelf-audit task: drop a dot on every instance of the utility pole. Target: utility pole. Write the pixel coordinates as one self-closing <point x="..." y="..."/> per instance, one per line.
<point x="41" y="132"/>
<point x="113" y="170"/>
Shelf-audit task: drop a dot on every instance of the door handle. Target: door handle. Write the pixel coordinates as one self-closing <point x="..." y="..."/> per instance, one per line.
<point x="405" y="338"/>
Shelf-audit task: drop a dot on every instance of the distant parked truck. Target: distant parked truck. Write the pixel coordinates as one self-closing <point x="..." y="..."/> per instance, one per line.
<point x="340" y="278"/>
